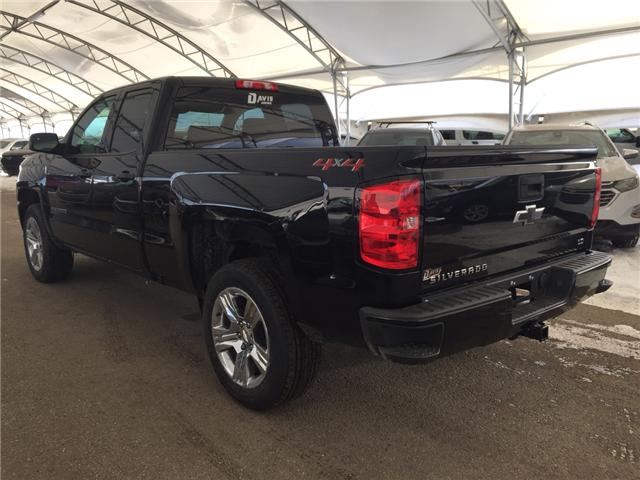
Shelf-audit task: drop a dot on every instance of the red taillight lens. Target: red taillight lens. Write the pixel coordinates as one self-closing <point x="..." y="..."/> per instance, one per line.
<point x="596" y="199"/>
<point x="390" y="224"/>
<point x="255" y="85"/>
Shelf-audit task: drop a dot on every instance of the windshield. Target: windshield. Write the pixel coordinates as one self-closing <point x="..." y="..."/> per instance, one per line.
<point x="19" y="145"/>
<point x="227" y="118"/>
<point x="389" y="137"/>
<point x="565" y="137"/>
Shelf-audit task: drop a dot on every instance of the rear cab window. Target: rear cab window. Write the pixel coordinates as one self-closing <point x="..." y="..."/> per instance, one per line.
<point x="226" y="117"/>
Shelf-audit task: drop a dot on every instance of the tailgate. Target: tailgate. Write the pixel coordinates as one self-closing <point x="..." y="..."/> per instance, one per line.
<point x="495" y="209"/>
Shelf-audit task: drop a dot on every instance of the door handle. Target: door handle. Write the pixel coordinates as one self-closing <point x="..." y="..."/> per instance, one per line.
<point x="125" y="176"/>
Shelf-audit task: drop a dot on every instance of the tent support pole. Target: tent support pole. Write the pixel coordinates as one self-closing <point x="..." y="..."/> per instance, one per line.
<point x="517" y="74"/>
<point x="523" y="82"/>
<point x="510" y="57"/>
<point x="345" y="81"/>
<point x="334" y="75"/>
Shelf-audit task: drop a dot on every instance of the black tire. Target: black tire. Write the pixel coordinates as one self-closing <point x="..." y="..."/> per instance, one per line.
<point x="626" y="242"/>
<point x="56" y="263"/>
<point x="293" y="358"/>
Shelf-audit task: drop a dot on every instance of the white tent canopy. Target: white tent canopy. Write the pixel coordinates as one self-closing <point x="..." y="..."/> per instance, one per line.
<point x="57" y="55"/>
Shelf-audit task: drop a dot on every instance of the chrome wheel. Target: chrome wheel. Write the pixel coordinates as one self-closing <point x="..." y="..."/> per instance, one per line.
<point x="33" y="238"/>
<point x="476" y="213"/>
<point x="240" y="337"/>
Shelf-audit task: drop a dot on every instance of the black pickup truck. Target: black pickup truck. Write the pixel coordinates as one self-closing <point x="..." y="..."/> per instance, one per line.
<point x="239" y="192"/>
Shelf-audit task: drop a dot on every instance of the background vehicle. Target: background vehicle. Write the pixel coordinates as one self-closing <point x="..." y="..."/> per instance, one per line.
<point x="12" y="158"/>
<point x="624" y="138"/>
<point x="389" y="134"/>
<point x="472" y="137"/>
<point x="12" y="144"/>
<point x="619" y="218"/>
<point x="194" y="183"/>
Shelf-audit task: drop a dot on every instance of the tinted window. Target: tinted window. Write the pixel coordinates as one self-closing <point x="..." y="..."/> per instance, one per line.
<point x="481" y="135"/>
<point x="620" y="135"/>
<point x="20" y="145"/>
<point x="205" y="117"/>
<point x="448" y="134"/>
<point x="566" y="137"/>
<point x="129" y="127"/>
<point x="389" y="137"/>
<point x="89" y="133"/>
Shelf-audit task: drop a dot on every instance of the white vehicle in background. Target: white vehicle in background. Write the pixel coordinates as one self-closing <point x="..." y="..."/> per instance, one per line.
<point x="472" y="137"/>
<point x="619" y="217"/>
<point x="624" y="138"/>
<point x="7" y="144"/>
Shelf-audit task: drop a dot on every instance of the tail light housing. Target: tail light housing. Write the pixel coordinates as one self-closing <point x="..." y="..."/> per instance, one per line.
<point x="596" y="199"/>
<point x="389" y="224"/>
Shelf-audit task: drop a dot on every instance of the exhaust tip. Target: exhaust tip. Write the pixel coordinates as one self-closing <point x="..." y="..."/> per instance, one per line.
<point x="604" y="285"/>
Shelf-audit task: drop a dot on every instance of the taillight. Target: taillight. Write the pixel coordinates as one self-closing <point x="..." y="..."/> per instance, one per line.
<point x="389" y="224"/>
<point x="255" y="85"/>
<point x="596" y="199"/>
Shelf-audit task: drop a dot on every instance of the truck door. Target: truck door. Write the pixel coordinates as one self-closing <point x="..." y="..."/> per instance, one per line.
<point x="68" y="176"/>
<point x="114" y="206"/>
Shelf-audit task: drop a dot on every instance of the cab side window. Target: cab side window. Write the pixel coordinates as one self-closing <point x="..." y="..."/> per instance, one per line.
<point x="89" y="134"/>
<point x="129" y="127"/>
<point x="448" y="134"/>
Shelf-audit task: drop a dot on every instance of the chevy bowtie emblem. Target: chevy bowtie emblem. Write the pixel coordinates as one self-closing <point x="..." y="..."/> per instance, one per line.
<point x="529" y="215"/>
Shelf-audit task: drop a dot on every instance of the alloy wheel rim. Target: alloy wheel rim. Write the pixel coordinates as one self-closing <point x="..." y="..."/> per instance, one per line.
<point x="33" y="237"/>
<point x="240" y="337"/>
<point x="476" y="212"/>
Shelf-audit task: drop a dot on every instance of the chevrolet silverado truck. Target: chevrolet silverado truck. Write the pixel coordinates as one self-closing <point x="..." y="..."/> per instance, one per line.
<point x="239" y="192"/>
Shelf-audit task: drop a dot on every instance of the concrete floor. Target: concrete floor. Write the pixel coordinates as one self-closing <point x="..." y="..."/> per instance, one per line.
<point x="106" y="377"/>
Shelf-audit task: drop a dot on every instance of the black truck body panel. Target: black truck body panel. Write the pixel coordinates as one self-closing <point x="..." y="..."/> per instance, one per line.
<point x="150" y="210"/>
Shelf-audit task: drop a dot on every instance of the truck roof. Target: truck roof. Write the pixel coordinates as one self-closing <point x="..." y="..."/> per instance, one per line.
<point x="542" y="127"/>
<point x="214" y="82"/>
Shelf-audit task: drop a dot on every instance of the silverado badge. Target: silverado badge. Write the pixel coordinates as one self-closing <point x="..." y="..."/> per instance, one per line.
<point x="436" y="275"/>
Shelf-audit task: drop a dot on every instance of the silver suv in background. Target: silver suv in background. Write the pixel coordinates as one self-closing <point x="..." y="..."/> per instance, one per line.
<point x="472" y="137"/>
<point x="619" y="217"/>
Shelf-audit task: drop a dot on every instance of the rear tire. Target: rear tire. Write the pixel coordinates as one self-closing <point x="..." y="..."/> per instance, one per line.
<point x="628" y="242"/>
<point x="48" y="263"/>
<point x="259" y="354"/>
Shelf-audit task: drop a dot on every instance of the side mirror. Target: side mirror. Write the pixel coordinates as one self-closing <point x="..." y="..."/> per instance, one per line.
<point x="638" y="141"/>
<point x="43" y="142"/>
<point x="629" y="153"/>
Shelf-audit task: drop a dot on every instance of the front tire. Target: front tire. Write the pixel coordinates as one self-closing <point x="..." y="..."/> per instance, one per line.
<point x="48" y="263"/>
<point x="259" y="354"/>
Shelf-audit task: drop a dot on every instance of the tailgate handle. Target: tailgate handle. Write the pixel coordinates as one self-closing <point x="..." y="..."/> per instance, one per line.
<point x="530" y="187"/>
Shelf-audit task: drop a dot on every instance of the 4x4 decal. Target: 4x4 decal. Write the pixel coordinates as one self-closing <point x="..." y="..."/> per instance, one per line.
<point x="327" y="163"/>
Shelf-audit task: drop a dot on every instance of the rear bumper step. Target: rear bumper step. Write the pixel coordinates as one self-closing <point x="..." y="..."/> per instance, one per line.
<point x="469" y="316"/>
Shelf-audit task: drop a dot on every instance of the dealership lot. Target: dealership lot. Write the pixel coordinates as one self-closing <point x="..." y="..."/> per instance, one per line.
<point x="106" y="376"/>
